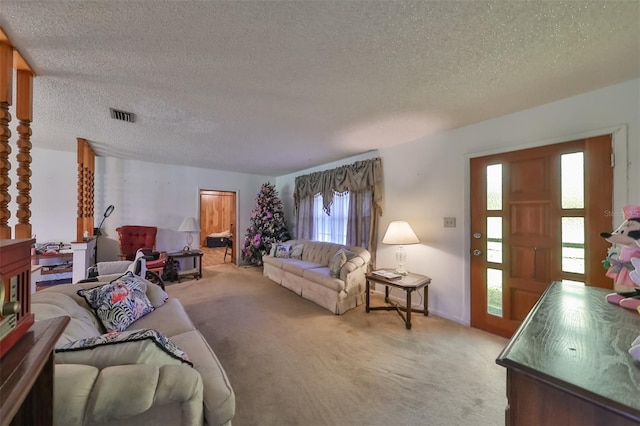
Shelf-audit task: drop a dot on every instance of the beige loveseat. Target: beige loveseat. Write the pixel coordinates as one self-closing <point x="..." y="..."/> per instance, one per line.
<point x="103" y="385"/>
<point x="330" y="275"/>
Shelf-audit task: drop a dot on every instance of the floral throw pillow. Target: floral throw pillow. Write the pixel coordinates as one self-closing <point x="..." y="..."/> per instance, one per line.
<point x="145" y="346"/>
<point x="282" y="250"/>
<point x="119" y="303"/>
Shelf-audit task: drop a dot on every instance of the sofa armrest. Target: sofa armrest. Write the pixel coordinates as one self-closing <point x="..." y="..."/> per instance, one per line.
<point x="354" y="264"/>
<point x="127" y="394"/>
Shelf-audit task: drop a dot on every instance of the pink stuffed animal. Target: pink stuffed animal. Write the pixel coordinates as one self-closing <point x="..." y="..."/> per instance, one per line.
<point x="627" y="238"/>
<point x="635" y="276"/>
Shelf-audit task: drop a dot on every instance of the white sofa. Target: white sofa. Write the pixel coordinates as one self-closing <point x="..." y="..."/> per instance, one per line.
<point x="330" y="275"/>
<point x="133" y="382"/>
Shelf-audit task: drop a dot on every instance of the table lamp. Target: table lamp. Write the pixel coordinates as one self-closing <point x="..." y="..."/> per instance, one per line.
<point x="400" y="233"/>
<point x="189" y="225"/>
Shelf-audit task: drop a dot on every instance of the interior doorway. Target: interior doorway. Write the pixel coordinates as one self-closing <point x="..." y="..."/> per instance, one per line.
<point x="536" y="217"/>
<point x="218" y="235"/>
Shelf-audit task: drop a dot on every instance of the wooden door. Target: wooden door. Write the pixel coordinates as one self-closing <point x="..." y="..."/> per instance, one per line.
<point x="536" y="217"/>
<point x="218" y="214"/>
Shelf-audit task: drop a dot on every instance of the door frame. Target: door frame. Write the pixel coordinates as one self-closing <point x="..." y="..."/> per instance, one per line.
<point x="236" y="248"/>
<point x="620" y="187"/>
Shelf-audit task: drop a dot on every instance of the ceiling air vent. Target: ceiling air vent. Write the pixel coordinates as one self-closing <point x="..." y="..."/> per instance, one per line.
<point x="117" y="114"/>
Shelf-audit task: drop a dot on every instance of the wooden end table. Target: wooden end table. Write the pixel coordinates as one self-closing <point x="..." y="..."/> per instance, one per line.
<point x="196" y="271"/>
<point x="409" y="283"/>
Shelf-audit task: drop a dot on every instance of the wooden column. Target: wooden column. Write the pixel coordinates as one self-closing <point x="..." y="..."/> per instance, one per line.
<point x="24" y="113"/>
<point x="86" y="171"/>
<point x="6" y="99"/>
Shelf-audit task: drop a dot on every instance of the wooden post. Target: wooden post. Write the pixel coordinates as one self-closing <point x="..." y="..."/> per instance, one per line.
<point x="86" y="170"/>
<point x="6" y="99"/>
<point x="80" y="209"/>
<point x="24" y="113"/>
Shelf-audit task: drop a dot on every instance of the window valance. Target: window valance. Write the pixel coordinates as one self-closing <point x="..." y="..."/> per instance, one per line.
<point x="360" y="176"/>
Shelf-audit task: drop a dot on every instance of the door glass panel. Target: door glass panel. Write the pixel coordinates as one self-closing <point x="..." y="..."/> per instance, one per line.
<point x="494" y="239"/>
<point x="572" y="177"/>
<point x="494" y="292"/>
<point x="573" y="244"/>
<point x="494" y="187"/>
<point x="573" y="282"/>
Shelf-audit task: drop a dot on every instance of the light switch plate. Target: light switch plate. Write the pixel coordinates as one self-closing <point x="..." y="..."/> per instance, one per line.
<point x="449" y="222"/>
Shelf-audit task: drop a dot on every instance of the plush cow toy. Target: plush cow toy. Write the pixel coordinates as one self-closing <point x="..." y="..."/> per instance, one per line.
<point x="626" y="241"/>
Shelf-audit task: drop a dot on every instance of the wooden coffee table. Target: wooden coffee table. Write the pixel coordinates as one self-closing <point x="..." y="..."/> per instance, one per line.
<point x="409" y="283"/>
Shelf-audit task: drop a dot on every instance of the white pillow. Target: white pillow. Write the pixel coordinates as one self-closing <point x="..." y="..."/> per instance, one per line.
<point x="337" y="262"/>
<point x="296" y="251"/>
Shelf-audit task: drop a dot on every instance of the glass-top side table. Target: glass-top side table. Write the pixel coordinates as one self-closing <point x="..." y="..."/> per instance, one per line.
<point x="409" y="283"/>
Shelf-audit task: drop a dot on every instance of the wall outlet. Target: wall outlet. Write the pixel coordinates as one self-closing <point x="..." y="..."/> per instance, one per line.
<point x="449" y="222"/>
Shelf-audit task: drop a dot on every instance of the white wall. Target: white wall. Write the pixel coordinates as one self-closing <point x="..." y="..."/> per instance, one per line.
<point x="162" y="195"/>
<point x="428" y="179"/>
<point x="53" y="193"/>
<point x="143" y="194"/>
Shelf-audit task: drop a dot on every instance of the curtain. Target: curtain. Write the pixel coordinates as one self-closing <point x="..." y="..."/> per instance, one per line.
<point x="334" y="227"/>
<point x="363" y="180"/>
<point x="304" y="219"/>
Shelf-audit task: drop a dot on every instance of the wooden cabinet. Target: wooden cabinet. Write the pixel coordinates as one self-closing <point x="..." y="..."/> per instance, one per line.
<point x="15" y="291"/>
<point x="568" y="363"/>
<point x="26" y="375"/>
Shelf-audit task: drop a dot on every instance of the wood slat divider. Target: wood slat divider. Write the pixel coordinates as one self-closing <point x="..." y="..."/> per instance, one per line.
<point x="24" y="113"/>
<point x="86" y="179"/>
<point x="10" y="59"/>
<point x="6" y="99"/>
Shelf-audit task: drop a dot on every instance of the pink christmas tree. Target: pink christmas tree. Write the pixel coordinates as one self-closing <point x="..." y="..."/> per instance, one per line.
<point x="267" y="225"/>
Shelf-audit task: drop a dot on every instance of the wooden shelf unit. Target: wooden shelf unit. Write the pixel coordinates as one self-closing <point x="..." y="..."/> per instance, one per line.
<point x="36" y="258"/>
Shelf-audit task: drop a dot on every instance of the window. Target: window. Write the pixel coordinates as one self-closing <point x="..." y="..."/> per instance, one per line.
<point x="331" y="228"/>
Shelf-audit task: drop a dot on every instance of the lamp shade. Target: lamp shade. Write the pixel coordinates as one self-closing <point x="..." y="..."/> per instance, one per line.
<point x="189" y="224"/>
<point x="400" y="233"/>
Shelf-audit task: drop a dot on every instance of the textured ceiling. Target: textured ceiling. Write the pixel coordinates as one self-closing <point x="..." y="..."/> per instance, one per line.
<point x="272" y="87"/>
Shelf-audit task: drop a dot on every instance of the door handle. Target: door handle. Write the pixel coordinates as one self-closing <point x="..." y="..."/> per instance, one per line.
<point x="477" y="252"/>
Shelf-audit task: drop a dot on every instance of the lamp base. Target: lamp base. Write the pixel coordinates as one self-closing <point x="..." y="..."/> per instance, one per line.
<point x="189" y="242"/>
<point x="401" y="256"/>
<point x="401" y="271"/>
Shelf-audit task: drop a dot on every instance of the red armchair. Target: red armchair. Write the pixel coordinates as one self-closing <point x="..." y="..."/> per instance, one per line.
<point x="134" y="237"/>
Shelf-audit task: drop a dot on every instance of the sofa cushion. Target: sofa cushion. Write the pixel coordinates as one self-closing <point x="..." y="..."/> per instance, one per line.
<point x="144" y="346"/>
<point x="169" y="319"/>
<point x="219" y="399"/>
<point x="322" y="276"/>
<point x="75" y="329"/>
<point x="119" y="303"/>
<point x="297" y="267"/>
<point x="72" y="388"/>
<point x="157" y="296"/>
<point x="319" y="251"/>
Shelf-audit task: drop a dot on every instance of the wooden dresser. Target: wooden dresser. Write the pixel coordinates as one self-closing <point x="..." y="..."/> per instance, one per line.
<point x="568" y="363"/>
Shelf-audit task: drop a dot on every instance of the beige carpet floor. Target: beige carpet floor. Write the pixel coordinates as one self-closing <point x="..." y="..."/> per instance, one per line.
<point x="291" y="362"/>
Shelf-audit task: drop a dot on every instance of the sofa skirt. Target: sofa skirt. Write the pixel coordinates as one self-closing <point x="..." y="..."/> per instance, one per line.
<point x="336" y="302"/>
